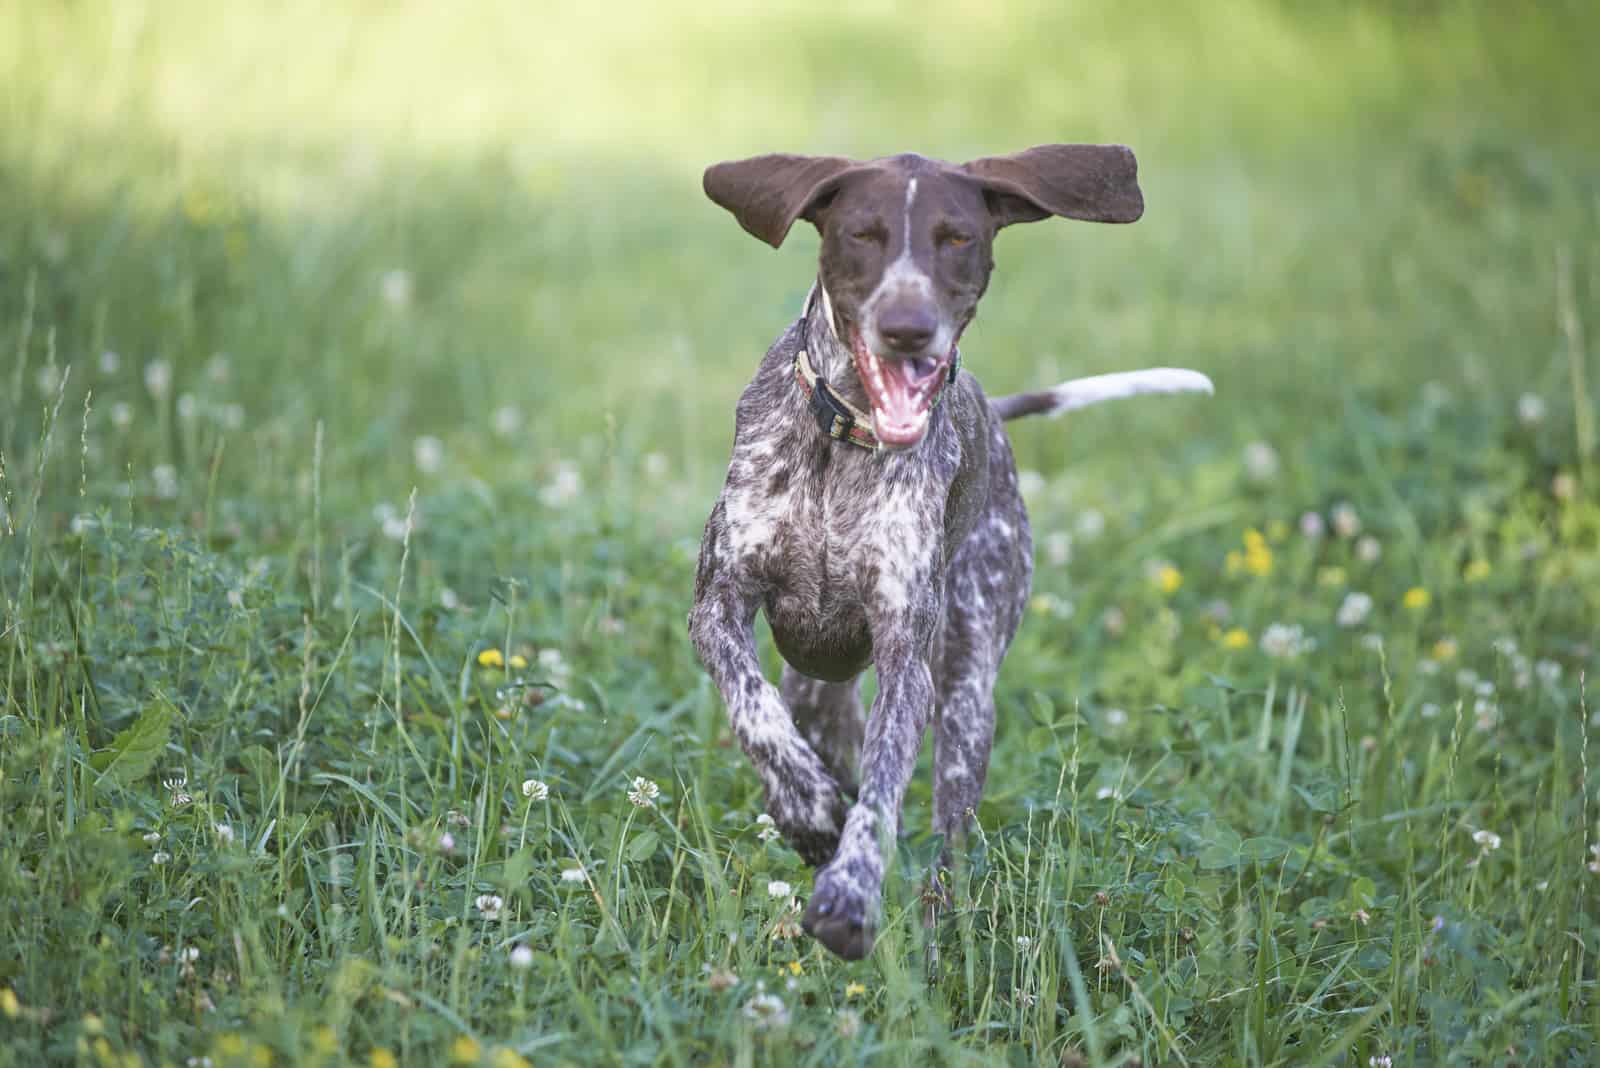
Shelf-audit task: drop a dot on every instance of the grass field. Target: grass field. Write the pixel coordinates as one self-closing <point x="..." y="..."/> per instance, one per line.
<point x="368" y="374"/>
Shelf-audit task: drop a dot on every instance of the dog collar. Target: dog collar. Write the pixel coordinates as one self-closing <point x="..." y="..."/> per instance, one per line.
<point x="837" y="417"/>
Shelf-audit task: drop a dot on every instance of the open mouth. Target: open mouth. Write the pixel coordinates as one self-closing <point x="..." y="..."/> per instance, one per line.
<point x="901" y="392"/>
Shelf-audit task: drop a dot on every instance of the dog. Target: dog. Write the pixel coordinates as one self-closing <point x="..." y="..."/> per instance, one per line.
<point x="871" y="506"/>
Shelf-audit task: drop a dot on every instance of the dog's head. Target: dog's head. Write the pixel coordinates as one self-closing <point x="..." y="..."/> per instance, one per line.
<point x="907" y="246"/>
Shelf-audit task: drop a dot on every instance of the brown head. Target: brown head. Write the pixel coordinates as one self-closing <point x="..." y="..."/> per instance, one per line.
<point x="907" y="246"/>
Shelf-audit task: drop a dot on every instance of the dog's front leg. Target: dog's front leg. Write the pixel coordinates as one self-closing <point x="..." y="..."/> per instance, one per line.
<point x="843" y="911"/>
<point x="802" y="797"/>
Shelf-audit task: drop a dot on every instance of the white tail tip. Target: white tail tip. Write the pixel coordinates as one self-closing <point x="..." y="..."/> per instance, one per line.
<point x="1082" y="392"/>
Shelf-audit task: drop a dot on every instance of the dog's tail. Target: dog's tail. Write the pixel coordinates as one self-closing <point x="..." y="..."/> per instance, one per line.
<point x="1082" y="392"/>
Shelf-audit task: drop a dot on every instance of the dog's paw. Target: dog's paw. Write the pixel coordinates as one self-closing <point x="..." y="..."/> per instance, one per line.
<point x="841" y="915"/>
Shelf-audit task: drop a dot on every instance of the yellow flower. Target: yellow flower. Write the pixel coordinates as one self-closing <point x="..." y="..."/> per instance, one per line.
<point x="793" y="967"/>
<point x="1237" y="638"/>
<point x="230" y="1045"/>
<point x="1253" y="539"/>
<point x="324" y="1041"/>
<point x="1417" y="598"/>
<point x="9" y="1004"/>
<point x="382" y="1058"/>
<point x="854" y="989"/>
<point x="261" y="1057"/>
<point x="1444" y="649"/>
<point x="519" y="661"/>
<point x="1169" y="578"/>
<point x="1258" y="561"/>
<point x="1476" y="571"/>
<point x="506" y="1057"/>
<point x="1277" y="531"/>
<point x="491" y="658"/>
<point x="1331" y="576"/>
<point x="464" y="1050"/>
<point x="1233" y="563"/>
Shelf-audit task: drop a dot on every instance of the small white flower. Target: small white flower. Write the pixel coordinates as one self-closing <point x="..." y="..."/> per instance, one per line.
<point x="507" y="420"/>
<point x="564" y="486"/>
<point x="1285" y="641"/>
<point x="236" y="597"/>
<point x="189" y="954"/>
<point x="1484" y="689"/>
<point x="1115" y="717"/>
<point x="769" y="829"/>
<point x="1372" y="641"/>
<point x="1354" y="610"/>
<point x="1030" y="483"/>
<point x="1260" y="462"/>
<point x="165" y="477"/>
<point x="158" y="378"/>
<point x="48" y="378"/>
<point x="1429" y="710"/>
<point x="231" y="416"/>
<point x="1466" y="678"/>
<point x="643" y="793"/>
<point x="574" y="875"/>
<point x="1311" y="525"/>
<point x="555" y="666"/>
<point x="767" y="1012"/>
<point x="1091" y="524"/>
<point x="394" y="528"/>
<point x="655" y="465"/>
<point x="152" y="837"/>
<point x="1058" y="548"/>
<point x="110" y="362"/>
<point x="1548" y="672"/>
<point x="1368" y="550"/>
<point x="521" y="958"/>
<point x="1024" y="943"/>
<point x="447" y="842"/>
<point x="1486" y="714"/>
<point x="188" y="407"/>
<point x="1487" y="839"/>
<point x="1506" y="647"/>
<point x="160" y="856"/>
<point x="1107" y="793"/>
<point x="224" y="832"/>
<point x="397" y="288"/>
<point x="180" y="799"/>
<point x="535" y="790"/>
<point x="489" y="905"/>
<point x="779" y="888"/>
<point x="1379" y="1060"/>
<point x="449" y="600"/>
<point x="1530" y="409"/>
<point x="428" y="452"/>
<point x="121" y="415"/>
<point x="1346" y="523"/>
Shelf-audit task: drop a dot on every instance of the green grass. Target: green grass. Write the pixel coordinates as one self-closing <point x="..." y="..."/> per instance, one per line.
<point x="390" y="250"/>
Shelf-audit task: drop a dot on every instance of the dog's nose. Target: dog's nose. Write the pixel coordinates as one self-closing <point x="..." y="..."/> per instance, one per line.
<point x="907" y="328"/>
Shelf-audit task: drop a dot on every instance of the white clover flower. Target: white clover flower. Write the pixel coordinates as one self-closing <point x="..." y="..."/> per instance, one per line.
<point x="1372" y="641"/>
<point x="152" y="837"/>
<point x="121" y="415"/>
<point x="158" y="378"/>
<point x="1548" y="672"/>
<point x="397" y="287"/>
<point x="110" y="362"/>
<point x="165" y="477"/>
<point x="521" y="957"/>
<point x="449" y="600"/>
<point x="236" y="597"/>
<point x="1506" y="646"/>
<point x="160" y="856"/>
<point x="779" y="888"/>
<point x="428" y="452"/>
<point x="574" y="875"/>
<point x="231" y="416"/>
<point x="1380" y="1060"/>
<point x="1487" y="839"/>
<point x="1107" y="793"/>
<point x="507" y="420"/>
<point x="564" y="486"/>
<point x="224" y="832"/>
<point x="1429" y="710"/>
<point x="1530" y="409"/>
<point x="1058" y="548"/>
<point x="1024" y="943"/>
<point x="1311" y="525"/>
<point x="769" y="830"/>
<point x="1285" y="641"/>
<point x="1466" y="678"/>
<point x="1090" y="525"/>
<point x="1030" y="483"/>
<point x="1115" y="717"/>
<point x="643" y="793"/>
<point x="1260" y="462"/>
<point x="535" y="790"/>
<point x="1368" y="549"/>
<point x="1346" y="523"/>
<point x="1594" y="858"/>
<point x="489" y="905"/>
<point x="767" y="1012"/>
<point x="1484" y="689"/>
<point x="555" y="666"/>
<point x="188" y="406"/>
<point x="447" y="842"/>
<point x="1486" y="713"/>
<point x="655" y="465"/>
<point x="1354" y="610"/>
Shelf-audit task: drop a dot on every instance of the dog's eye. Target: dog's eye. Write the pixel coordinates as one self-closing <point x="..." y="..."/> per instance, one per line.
<point x="866" y="234"/>
<point x="955" y="240"/>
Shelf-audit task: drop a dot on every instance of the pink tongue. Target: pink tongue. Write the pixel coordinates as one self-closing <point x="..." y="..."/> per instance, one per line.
<point x="898" y="402"/>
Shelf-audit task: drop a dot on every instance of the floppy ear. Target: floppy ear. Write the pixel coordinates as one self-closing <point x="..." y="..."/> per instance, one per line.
<point x="1095" y="183"/>
<point x="768" y="193"/>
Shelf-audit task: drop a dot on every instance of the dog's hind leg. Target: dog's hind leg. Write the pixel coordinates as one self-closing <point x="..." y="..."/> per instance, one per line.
<point x="830" y="717"/>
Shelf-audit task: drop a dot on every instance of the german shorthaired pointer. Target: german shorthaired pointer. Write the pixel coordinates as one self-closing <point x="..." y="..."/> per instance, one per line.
<point x="871" y="505"/>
